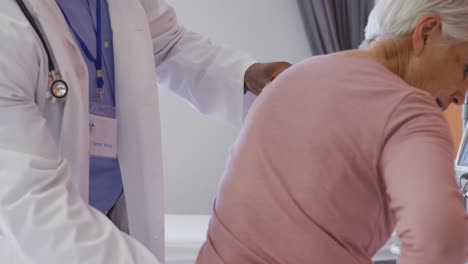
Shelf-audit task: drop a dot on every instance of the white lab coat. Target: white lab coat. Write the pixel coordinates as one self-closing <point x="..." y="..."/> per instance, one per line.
<point x="44" y="147"/>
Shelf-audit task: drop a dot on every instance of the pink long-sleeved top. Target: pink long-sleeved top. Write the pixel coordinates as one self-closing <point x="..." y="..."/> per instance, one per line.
<point x="335" y="153"/>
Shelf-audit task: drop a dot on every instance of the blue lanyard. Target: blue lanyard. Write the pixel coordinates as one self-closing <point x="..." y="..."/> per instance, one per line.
<point x="98" y="60"/>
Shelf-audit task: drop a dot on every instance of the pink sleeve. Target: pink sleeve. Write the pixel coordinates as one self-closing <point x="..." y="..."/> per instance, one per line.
<point x="417" y="168"/>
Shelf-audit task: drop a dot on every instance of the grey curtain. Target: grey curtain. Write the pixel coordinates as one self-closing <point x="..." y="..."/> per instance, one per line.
<point x="334" y="25"/>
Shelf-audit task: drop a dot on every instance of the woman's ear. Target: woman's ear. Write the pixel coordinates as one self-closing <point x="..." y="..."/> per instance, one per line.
<point x="424" y="29"/>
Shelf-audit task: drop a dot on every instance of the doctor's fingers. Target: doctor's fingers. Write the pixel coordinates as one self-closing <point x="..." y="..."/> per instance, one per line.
<point x="259" y="75"/>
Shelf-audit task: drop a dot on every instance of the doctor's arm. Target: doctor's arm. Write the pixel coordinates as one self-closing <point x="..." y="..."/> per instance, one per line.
<point x="209" y="76"/>
<point x="43" y="219"/>
<point x="417" y="169"/>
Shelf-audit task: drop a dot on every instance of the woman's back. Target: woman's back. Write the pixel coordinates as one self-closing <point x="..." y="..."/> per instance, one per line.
<point x="328" y="159"/>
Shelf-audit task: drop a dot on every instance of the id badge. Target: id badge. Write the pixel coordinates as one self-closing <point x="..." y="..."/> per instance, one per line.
<point x="103" y="131"/>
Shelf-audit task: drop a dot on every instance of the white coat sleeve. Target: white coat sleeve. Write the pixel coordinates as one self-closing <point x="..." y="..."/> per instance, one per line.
<point x="209" y="76"/>
<point x="42" y="216"/>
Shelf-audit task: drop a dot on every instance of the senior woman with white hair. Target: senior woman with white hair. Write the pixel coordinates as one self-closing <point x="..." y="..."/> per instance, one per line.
<point x="357" y="144"/>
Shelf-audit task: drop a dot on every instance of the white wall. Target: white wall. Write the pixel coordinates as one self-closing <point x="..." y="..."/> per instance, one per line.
<point x="195" y="148"/>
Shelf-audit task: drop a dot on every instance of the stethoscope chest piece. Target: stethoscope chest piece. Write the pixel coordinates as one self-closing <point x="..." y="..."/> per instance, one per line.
<point x="58" y="89"/>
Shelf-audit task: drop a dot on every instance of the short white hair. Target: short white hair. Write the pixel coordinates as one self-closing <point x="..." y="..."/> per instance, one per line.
<point x="391" y="18"/>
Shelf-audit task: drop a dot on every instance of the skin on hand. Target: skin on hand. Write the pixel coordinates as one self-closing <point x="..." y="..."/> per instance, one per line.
<point x="259" y="75"/>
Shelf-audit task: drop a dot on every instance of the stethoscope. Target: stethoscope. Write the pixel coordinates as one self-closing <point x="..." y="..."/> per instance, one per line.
<point x="57" y="87"/>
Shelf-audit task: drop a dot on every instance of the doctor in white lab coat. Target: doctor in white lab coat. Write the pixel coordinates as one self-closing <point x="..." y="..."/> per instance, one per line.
<point x="44" y="147"/>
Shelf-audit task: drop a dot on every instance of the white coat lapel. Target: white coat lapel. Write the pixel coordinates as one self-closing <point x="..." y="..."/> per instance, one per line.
<point x="138" y="115"/>
<point x="74" y="130"/>
<point x="49" y="13"/>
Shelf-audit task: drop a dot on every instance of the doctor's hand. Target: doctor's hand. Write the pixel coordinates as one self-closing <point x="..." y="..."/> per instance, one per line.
<point x="259" y="75"/>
